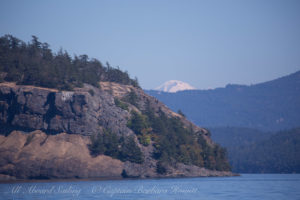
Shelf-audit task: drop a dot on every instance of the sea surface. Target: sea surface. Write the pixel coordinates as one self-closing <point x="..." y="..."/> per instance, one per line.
<point x="244" y="187"/>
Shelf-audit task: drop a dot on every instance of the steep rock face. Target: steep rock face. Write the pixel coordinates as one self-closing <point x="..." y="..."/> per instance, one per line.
<point x="53" y="111"/>
<point x="75" y="112"/>
<point x="53" y="129"/>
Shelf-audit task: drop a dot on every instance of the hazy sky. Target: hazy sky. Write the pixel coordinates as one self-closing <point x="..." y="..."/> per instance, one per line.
<point x="205" y="43"/>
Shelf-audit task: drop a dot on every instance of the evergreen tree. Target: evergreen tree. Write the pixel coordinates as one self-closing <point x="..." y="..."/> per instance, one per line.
<point x="35" y="64"/>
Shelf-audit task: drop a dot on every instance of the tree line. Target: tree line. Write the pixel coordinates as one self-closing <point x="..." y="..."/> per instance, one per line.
<point x="34" y="63"/>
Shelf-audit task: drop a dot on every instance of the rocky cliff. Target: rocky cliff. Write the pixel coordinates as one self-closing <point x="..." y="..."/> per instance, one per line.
<point x="52" y="111"/>
<point x="46" y="133"/>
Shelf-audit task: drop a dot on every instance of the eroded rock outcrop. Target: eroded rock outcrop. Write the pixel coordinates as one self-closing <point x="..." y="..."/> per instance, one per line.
<point x="46" y="133"/>
<point x="36" y="155"/>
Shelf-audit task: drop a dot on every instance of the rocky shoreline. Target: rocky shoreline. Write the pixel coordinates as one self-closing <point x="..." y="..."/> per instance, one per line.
<point x="66" y="156"/>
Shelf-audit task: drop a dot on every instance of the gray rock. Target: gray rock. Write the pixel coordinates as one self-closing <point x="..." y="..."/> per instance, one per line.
<point x="74" y="112"/>
<point x="64" y="118"/>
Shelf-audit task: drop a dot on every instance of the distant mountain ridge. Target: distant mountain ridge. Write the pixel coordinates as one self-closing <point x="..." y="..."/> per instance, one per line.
<point x="174" y="86"/>
<point x="268" y="106"/>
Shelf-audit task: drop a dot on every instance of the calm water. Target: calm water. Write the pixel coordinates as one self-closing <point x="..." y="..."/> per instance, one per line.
<point x="247" y="186"/>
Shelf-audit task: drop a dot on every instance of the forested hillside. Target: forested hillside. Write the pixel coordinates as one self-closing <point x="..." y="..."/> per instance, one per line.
<point x="231" y="137"/>
<point x="253" y="151"/>
<point x="269" y="106"/>
<point x="35" y="64"/>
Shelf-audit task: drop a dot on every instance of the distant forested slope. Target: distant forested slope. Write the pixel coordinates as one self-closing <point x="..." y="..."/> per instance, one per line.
<point x="269" y="106"/>
<point x="251" y="151"/>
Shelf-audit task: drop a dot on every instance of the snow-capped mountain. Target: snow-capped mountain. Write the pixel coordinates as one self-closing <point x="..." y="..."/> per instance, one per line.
<point x="174" y="86"/>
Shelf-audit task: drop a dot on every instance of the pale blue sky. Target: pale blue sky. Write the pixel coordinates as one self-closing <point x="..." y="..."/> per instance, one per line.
<point x="205" y="43"/>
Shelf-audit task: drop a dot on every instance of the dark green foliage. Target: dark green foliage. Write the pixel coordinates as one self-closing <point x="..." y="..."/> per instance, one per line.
<point x="144" y="139"/>
<point x="35" y="64"/>
<point x="121" y="104"/>
<point x="105" y="143"/>
<point x="138" y="123"/>
<point x="173" y="142"/>
<point x="253" y="151"/>
<point x="140" y="126"/>
<point x="108" y="143"/>
<point x="131" y="152"/>
<point x="214" y="157"/>
<point x="118" y="76"/>
<point x="135" y="82"/>
<point x="131" y="98"/>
